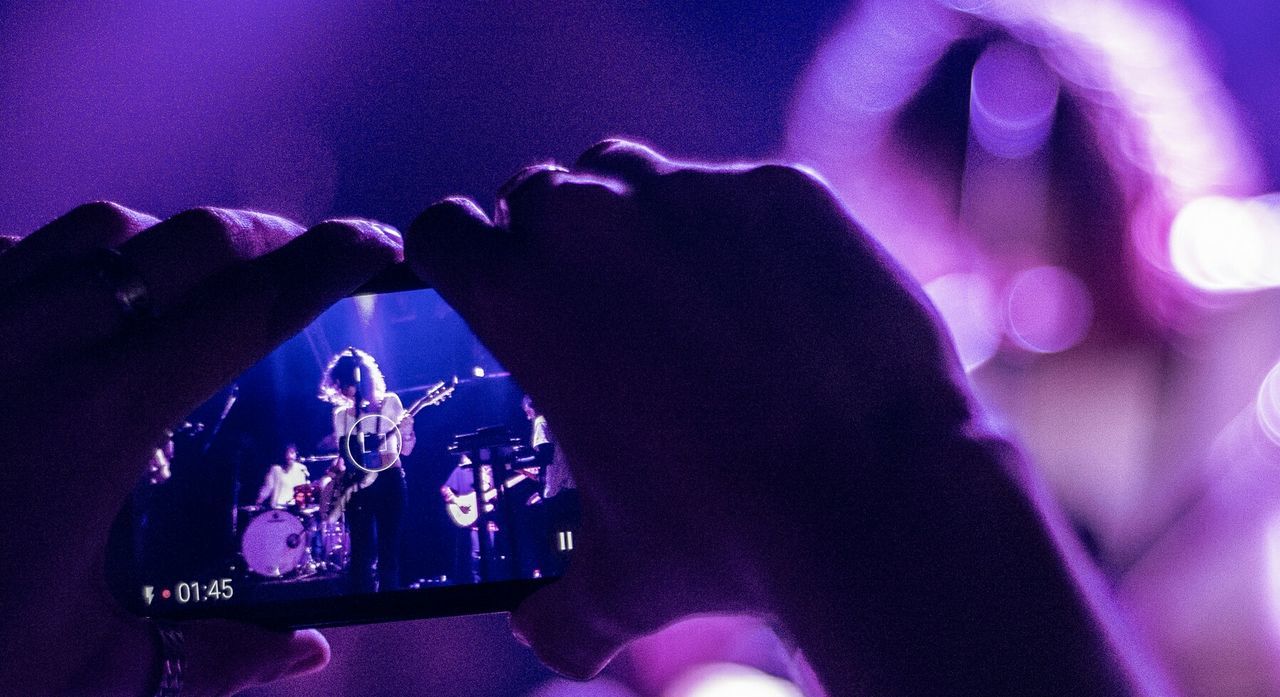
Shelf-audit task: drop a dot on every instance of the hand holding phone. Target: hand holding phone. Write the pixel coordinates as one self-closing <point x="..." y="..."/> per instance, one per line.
<point x="735" y="328"/>
<point x="103" y="383"/>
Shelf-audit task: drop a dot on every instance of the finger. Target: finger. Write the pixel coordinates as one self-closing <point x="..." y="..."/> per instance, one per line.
<point x="545" y="199"/>
<point x="183" y="251"/>
<point x="451" y="244"/>
<point x="525" y="184"/>
<point x="237" y="318"/>
<point x="8" y="242"/>
<point x="154" y="377"/>
<point x="624" y="160"/>
<point x="566" y="631"/>
<point x="578" y="624"/>
<point x="223" y="658"/>
<point x="66" y="311"/>
<point x="69" y="238"/>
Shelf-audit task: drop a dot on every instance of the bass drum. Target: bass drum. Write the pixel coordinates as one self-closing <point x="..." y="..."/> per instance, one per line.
<point x="274" y="543"/>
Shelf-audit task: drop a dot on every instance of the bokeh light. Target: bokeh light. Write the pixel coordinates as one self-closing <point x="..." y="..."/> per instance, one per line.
<point x="1012" y="100"/>
<point x="1268" y="405"/>
<point x="731" y="680"/>
<point x="1218" y="243"/>
<point x="968" y="307"/>
<point x="1047" y="309"/>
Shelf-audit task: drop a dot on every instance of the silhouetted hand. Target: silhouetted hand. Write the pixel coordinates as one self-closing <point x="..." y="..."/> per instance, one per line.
<point x="88" y="398"/>
<point x="698" y="336"/>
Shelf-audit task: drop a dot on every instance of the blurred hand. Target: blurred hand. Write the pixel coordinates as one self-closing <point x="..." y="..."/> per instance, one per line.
<point x="88" y="398"/>
<point x="697" y="337"/>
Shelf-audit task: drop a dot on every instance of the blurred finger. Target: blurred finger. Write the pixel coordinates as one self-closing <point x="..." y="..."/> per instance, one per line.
<point x="579" y="623"/>
<point x="624" y="160"/>
<point x="69" y="238"/>
<point x="223" y="658"/>
<point x="67" y="310"/>
<point x="7" y="242"/>
<point x="566" y="631"/>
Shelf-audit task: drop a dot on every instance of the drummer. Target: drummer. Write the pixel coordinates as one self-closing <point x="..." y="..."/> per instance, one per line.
<point x="277" y="487"/>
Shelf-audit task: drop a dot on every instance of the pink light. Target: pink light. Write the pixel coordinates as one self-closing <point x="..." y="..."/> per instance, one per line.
<point x="1269" y="405"/>
<point x="1013" y="99"/>
<point x="1223" y="244"/>
<point x="730" y="680"/>
<point x="967" y="306"/>
<point x="1047" y="309"/>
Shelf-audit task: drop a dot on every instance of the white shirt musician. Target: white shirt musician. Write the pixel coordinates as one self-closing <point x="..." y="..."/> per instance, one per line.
<point x="277" y="487"/>
<point x="555" y="474"/>
<point x="373" y="504"/>
<point x="384" y="419"/>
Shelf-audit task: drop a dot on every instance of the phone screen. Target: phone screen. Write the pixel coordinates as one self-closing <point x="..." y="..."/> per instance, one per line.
<point x="380" y="464"/>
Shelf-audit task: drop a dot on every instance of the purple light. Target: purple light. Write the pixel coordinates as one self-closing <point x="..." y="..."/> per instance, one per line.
<point x="967" y="306"/>
<point x="1269" y="405"/>
<point x="1047" y="309"/>
<point x="1013" y="98"/>
<point x="1223" y="244"/>
<point x="600" y="687"/>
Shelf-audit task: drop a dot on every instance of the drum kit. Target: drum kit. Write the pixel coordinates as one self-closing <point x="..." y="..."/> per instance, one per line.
<point x="294" y="542"/>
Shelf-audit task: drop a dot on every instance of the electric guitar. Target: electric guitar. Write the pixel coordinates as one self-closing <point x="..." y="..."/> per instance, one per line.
<point x="378" y="459"/>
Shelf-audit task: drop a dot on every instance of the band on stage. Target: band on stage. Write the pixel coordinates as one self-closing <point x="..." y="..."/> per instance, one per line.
<point x="338" y="515"/>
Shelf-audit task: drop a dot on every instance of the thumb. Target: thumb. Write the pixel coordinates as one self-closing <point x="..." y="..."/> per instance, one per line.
<point x="568" y="632"/>
<point x="223" y="657"/>
<point x="576" y="625"/>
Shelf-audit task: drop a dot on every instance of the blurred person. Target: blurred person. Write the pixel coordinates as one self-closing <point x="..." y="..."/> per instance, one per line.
<point x="1147" y="415"/>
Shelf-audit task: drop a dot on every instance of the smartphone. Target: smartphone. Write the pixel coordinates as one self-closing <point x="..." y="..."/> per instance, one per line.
<point x="380" y="465"/>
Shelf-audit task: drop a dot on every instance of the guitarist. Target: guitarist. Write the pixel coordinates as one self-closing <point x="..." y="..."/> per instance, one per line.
<point x="459" y="494"/>
<point x="364" y="422"/>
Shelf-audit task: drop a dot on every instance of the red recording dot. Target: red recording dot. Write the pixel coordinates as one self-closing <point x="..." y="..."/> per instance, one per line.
<point x="164" y="594"/>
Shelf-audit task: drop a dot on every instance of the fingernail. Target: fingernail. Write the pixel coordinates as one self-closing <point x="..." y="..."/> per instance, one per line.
<point x="313" y="653"/>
